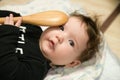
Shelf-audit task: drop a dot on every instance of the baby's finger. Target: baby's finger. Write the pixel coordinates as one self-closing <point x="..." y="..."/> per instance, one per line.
<point x="11" y="19"/>
<point x="18" y="23"/>
<point x="6" y="20"/>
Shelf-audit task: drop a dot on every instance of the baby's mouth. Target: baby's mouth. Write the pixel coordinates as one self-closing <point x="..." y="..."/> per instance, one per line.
<point x="51" y="44"/>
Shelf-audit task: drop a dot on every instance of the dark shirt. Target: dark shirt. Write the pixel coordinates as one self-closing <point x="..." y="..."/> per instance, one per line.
<point x="20" y="55"/>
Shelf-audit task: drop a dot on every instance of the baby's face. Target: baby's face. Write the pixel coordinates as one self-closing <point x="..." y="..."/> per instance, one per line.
<point x="62" y="45"/>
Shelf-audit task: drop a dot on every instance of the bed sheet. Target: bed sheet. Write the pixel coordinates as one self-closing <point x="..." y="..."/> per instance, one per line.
<point x="111" y="66"/>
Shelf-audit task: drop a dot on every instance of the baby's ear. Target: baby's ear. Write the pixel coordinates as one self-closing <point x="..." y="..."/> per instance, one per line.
<point x="73" y="63"/>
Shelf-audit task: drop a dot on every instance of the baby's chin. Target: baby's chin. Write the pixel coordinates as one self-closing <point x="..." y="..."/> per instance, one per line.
<point x="46" y="51"/>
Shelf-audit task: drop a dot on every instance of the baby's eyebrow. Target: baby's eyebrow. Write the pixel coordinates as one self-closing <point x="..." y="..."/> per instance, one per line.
<point x="76" y="41"/>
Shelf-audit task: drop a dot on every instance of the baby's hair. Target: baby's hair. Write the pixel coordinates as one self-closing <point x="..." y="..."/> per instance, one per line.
<point x="93" y="32"/>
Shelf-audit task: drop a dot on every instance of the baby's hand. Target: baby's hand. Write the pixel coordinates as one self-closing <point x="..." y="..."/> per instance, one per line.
<point x="9" y="20"/>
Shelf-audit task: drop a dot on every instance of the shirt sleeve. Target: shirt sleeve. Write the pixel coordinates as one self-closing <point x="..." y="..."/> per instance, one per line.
<point x="8" y="41"/>
<point x="8" y="38"/>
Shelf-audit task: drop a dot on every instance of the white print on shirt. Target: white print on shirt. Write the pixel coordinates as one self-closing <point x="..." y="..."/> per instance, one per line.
<point x="22" y="39"/>
<point x="23" y="29"/>
<point x="20" y="50"/>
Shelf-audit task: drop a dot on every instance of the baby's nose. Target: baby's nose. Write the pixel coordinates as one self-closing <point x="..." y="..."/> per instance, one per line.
<point x="60" y="38"/>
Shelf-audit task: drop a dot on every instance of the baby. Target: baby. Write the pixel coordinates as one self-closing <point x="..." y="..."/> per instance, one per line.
<point x="72" y="43"/>
<point x="66" y="46"/>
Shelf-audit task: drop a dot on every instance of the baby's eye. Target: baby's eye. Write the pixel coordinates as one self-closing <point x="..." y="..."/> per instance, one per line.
<point x="71" y="43"/>
<point x="62" y="28"/>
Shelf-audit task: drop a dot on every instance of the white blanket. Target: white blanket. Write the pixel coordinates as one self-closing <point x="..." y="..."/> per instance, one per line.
<point x="111" y="69"/>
